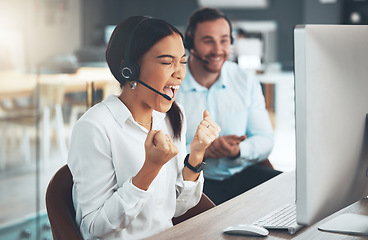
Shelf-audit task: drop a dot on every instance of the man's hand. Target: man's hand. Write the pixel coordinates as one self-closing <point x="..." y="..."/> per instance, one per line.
<point x="225" y="146"/>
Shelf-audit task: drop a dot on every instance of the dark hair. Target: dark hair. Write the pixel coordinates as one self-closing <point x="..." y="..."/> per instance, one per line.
<point x="199" y="16"/>
<point x="147" y="34"/>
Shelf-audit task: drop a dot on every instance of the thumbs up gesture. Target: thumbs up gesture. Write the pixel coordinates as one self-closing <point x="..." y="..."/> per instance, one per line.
<point x="206" y="133"/>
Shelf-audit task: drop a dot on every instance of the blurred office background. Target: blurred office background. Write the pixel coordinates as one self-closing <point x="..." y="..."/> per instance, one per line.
<point x="52" y="69"/>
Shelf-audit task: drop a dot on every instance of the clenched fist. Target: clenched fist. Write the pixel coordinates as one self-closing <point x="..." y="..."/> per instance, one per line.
<point x="159" y="148"/>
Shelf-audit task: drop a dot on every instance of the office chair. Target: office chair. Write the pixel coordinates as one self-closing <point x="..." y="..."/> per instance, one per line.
<point x="59" y="205"/>
<point x="203" y="205"/>
<point x="266" y="163"/>
<point x="61" y="212"/>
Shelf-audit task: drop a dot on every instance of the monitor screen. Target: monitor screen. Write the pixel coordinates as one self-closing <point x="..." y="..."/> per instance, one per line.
<point x="331" y="107"/>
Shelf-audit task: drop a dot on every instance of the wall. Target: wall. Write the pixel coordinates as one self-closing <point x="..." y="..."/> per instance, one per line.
<point x="47" y="28"/>
<point x="51" y="27"/>
<point x="316" y="12"/>
<point x="286" y="13"/>
<point x="99" y="13"/>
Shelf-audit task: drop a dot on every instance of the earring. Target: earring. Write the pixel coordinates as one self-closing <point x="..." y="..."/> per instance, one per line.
<point x="133" y="85"/>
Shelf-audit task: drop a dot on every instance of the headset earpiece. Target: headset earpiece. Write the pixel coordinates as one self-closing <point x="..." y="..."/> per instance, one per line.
<point x="130" y="72"/>
<point x="188" y="40"/>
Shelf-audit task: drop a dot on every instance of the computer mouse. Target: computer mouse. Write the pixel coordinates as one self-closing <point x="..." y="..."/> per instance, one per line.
<point x="247" y="230"/>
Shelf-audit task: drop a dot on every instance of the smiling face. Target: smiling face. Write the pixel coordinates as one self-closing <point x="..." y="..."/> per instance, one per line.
<point x="212" y="43"/>
<point x="163" y="68"/>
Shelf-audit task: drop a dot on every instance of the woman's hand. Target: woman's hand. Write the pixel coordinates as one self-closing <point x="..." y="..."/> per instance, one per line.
<point x="206" y="133"/>
<point x="159" y="150"/>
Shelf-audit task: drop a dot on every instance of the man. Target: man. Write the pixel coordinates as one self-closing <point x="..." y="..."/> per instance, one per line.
<point x="236" y="103"/>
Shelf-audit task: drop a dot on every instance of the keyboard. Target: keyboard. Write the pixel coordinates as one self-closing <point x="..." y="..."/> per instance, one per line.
<point x="282" y="218"/>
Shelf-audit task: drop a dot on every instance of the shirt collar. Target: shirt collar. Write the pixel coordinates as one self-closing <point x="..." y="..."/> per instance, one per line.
<point x="121" y="113"/>
<point x="190" y="84"/>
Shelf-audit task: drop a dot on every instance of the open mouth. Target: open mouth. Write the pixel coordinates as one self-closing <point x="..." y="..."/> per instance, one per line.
<point x="170" y="90"/>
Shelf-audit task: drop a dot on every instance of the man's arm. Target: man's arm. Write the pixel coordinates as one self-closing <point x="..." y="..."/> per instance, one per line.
<point x="259" y="142"/>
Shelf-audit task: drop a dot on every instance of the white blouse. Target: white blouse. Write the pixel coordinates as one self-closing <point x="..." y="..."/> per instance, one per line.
<point x="106" y="152"/>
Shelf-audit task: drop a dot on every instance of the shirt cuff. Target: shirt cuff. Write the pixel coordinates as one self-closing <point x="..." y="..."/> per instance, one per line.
<point x="188" y="186"/>
<point x="133" y="194"/>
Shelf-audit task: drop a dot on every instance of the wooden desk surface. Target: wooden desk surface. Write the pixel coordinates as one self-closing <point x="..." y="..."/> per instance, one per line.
<point x="249" y="207"/>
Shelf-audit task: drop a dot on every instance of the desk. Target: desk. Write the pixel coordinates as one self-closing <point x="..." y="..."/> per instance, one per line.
<point x="249" y="207"/>
<point x="13" y="85"/>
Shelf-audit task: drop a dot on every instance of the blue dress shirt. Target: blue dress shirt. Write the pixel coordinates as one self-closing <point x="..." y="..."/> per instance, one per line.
<point x="236" y="103"/>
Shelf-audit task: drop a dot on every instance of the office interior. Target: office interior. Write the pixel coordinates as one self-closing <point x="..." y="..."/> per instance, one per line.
<point x="52" y="69"/>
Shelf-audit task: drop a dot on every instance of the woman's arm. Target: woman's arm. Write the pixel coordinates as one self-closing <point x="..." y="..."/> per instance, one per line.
<point x="259" y="142"/>
<point x="159" y="150"/>
<point x="105" y="206"/>
<point x="206" y="133"/>
<point x="190" y="184"/>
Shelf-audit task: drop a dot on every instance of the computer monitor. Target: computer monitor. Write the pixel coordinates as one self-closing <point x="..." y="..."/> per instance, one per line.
<point x="331" y="107"/>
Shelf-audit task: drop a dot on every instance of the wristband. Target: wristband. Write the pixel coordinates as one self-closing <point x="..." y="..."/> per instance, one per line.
<point x="196" y="169"/>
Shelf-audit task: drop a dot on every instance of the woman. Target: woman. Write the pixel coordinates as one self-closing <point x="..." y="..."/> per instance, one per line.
<point x="127" y="152"/>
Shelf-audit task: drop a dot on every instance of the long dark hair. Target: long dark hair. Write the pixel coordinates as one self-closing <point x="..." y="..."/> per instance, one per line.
<point x="148" y="33"/>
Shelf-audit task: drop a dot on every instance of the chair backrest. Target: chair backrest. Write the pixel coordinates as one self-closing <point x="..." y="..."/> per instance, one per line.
<point x="265" y="163"/>
<point x="59" y="205"/>
<point x="61" y="211"/>
<point x="203" y="205"/>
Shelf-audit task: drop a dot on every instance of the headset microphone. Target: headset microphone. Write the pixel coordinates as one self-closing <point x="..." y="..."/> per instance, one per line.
<point x="200" y="59"/>
<point x="151" y="88"/>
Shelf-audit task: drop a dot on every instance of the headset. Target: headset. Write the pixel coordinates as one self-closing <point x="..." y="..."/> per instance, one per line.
<point x="188" y="40"/>
<point x="129" y="70"/>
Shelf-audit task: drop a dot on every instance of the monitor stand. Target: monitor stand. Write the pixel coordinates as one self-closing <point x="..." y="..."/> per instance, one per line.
<point x="348" y="223"/>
